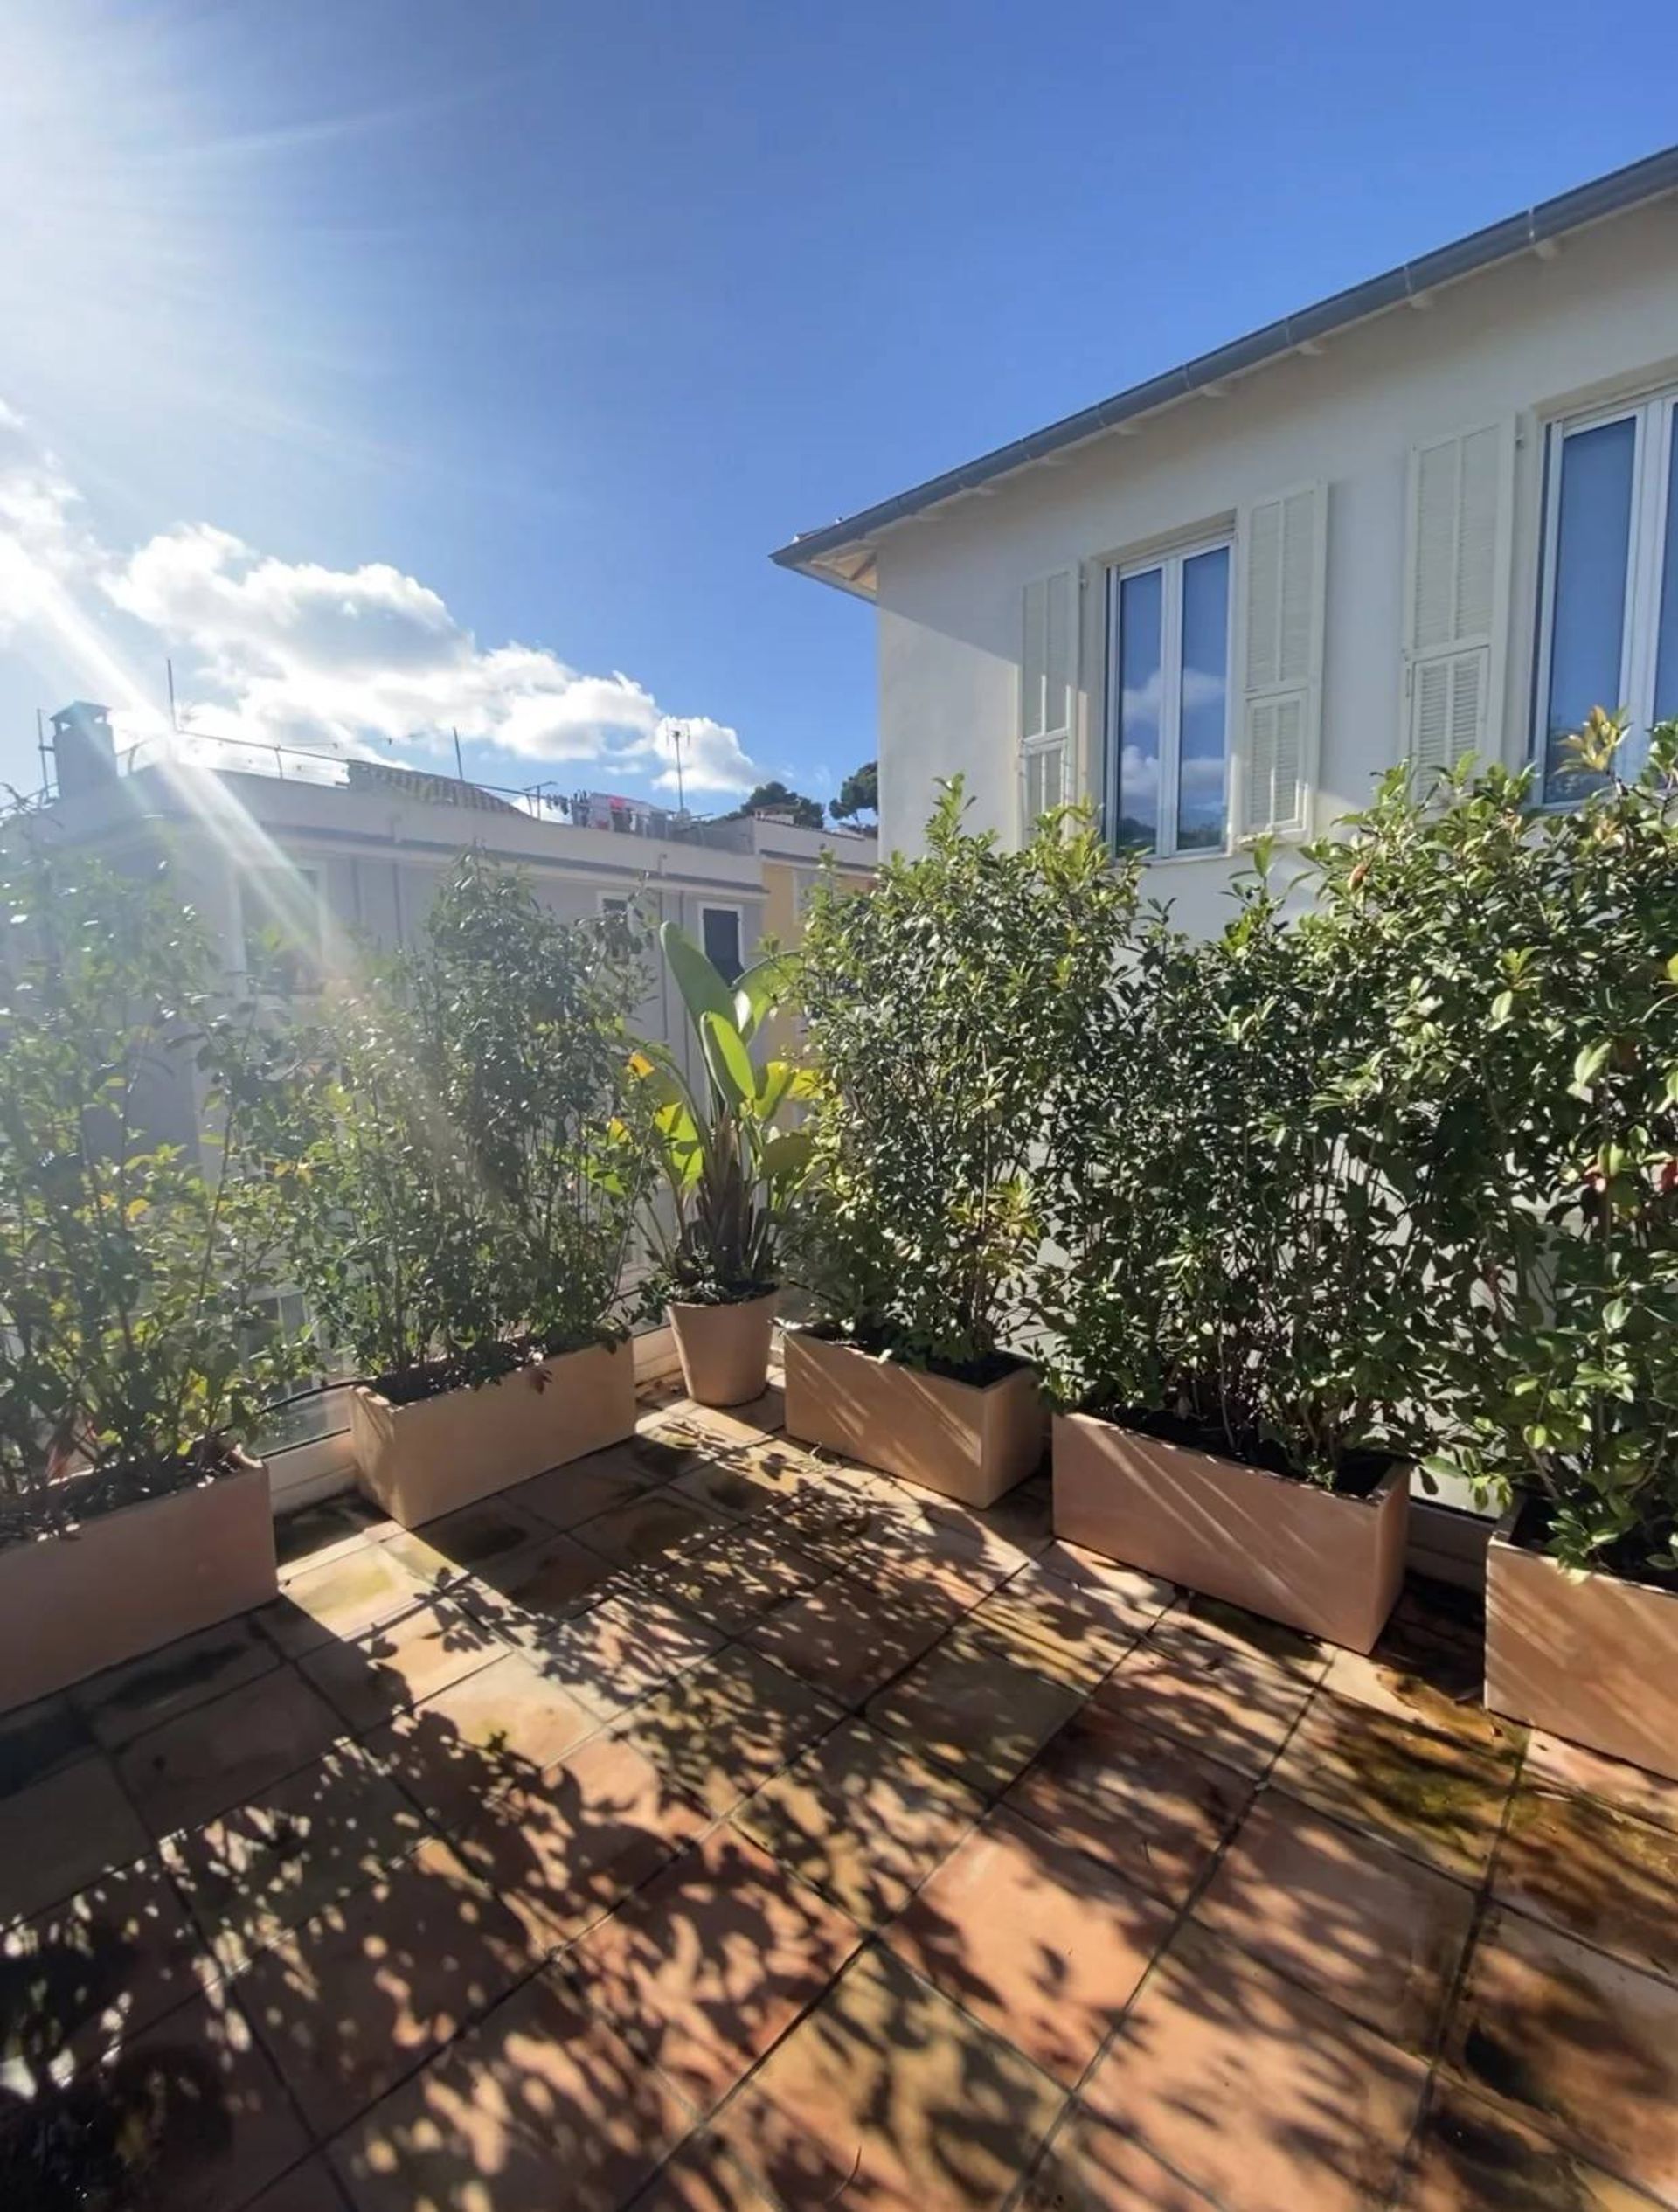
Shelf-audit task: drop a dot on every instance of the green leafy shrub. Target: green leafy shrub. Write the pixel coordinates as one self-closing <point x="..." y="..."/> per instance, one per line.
<point x="474" y="1176"/>
<point x="945" y="1008"/>
<point x="1233" y="1269"/>
<point x="137" y="1342"/>
<point x="1523" y="971"/>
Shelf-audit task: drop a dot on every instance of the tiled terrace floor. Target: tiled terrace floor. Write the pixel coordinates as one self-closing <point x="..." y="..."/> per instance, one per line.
<point x="705" y="1828"/>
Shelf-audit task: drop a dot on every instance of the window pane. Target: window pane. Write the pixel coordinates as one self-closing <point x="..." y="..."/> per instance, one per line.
<point x="721" y="930"/>
<point x="1205" y="699"/>
<point x="1136" y="814"/>
<point x="1666" y="651"/>
<point x="1593" y="541"/>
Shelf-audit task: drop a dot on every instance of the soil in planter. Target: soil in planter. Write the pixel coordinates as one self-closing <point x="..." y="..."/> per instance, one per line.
<point x="878" y="1343"/>
<point x="107" y="1489"/>
<point x="1357" y="1476"/>
<point x="1639" y="1555"/>
<point x="472" y="1370"/>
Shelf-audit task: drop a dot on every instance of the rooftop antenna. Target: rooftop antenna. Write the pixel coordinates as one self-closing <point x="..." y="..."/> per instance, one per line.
<point x="41" y="747"/>
<point x="678" y="738"/>
<point x="460" y="766"/>
<point x="174" y="719"/>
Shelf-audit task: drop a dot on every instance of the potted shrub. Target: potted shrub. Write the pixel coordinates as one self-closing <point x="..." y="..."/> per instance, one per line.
<point x="471" y="1196"/>
<point x="943" y="1010"/>
<point x="143" y="1144"/>
<point x="729" y="1177"/>
<point x="1547" y="1033"/>
<point x="1231" y="1304"/>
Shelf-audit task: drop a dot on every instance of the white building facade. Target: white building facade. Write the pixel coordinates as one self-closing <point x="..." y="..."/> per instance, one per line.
<point x="1435" y="515"/>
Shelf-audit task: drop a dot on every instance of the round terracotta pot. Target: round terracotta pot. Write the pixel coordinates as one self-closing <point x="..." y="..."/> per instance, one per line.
<point x="725" y="1349"/>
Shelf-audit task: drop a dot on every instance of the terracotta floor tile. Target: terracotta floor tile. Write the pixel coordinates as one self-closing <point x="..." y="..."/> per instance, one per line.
<point x="410" y="1658"/>
<point x="525" y="1598"/>
<point x="193" y="1767"/>
<point x="888" y="2098"/>
<point x="504" y="1724"/>
<point x="475" y="1538"/>
<point x="1042" y="1944"/>
<point x="864" y="1818"/>
<point x="1412" y="1697"/>
<point x="1435" y="1798"/>
<point x="1580" y="2044"/>
<point x="651" y="1460"/>
<point x="1570" y="1766"/>
<point x="1257" y="2091"/>
<point x="646" y="1529"/>
<point x="1473" y="2157"/>
<point x="1073" y="1635"/>
<point x="728" y="1724"/>
<point x="1093" y="2168"/>
<point x="714" y="1960"/>
<point x="744" y="1487"/>
<point x="702" y="2177"/>
<point x="188" y="2117"/>
<point x="564" y="1849"/>
<point x="1135" y="1801"/>
<point x="361" y="1994"/>
<point x="312" y="2187"/>
<point x="40" y="1740"/>
<point x="1088" y="1570"/>
<point x="578" y="1492"/>
<point x="253" y="1873"/>
<point x="343" y="1597"/>
<point x="950" y="1545"/>
<point x="316" y="1533"/>
<point x="61" y="1835"/>
<point x="91" y="1973"/>
<point x="1249" y="1635"/>
<point x="705" y="1427"/>
<point x="977" y="1714"/>
<point x="1221" y="1702"/>
<point x="1349" y="1917"/>
<point x="125" y="1701"/>
<point x="1025" y="1515"/>
<point x="741" y="1576"/>
<point x="1602" y="1876"/>
<point x="537" y="2107"/>
<point x="849" y="1637"/>
<point x="620" y="1652"/>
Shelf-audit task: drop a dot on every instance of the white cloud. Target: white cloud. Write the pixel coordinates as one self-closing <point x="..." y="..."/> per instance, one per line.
<point x="294" y="652"/>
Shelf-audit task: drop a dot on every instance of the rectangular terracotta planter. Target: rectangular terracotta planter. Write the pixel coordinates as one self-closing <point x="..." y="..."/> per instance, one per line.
<point x="126" y="1582"/>
<point x="1585" y="1655"/>
<point x="1330" y="1565"/>
<point x="961" y="1439"/>
<point x="422" y="1459"/>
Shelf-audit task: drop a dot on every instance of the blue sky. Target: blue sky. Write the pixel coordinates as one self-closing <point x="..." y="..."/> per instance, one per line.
<point x="399" y="364"/>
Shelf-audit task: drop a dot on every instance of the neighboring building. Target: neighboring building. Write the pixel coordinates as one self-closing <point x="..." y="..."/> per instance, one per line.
<point x="319" y="856"/>
<point x="1437" y="514"/>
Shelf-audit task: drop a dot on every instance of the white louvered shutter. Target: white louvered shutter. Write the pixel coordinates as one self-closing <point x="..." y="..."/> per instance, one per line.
<point x="1456" y="595"/>
<point x="1048" y="694"/>
<point x="1283" y="548"/>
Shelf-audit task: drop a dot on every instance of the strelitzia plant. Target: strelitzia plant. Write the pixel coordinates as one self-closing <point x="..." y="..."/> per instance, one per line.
<point x="732" y="1173"/>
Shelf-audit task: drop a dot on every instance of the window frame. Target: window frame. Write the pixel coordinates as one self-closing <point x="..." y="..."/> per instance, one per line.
<point x="721" y="907"/>
<point x="1654" y="417"/>
<point x="1173" y="554"/>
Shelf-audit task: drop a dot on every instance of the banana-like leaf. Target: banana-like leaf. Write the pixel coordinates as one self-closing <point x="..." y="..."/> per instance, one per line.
<point x="787" y="1153"/>
<point x="758" y="990"/>
<point x="776" y="1081"/>
<point x="662" y="1080"/>
<point x="727" y="1059"/>
<point x="703" y="989"/>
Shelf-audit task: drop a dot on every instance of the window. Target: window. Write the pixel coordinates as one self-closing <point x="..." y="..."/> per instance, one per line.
<point x="1168" y="703"/>
<point x="1609" y="633"/>
<point x="720" y="926"/>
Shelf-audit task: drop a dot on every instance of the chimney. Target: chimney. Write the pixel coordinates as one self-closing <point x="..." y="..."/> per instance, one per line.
<point x="83" y="748"/>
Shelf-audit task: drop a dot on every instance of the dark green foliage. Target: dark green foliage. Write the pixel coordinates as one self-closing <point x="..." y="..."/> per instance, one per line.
<point x="135" y="1339"/>
<point x="806" y="812"/>
<point x="473" y="1176"/>
<point x="944" y="1008"/>
<point x="858" y="794"/>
